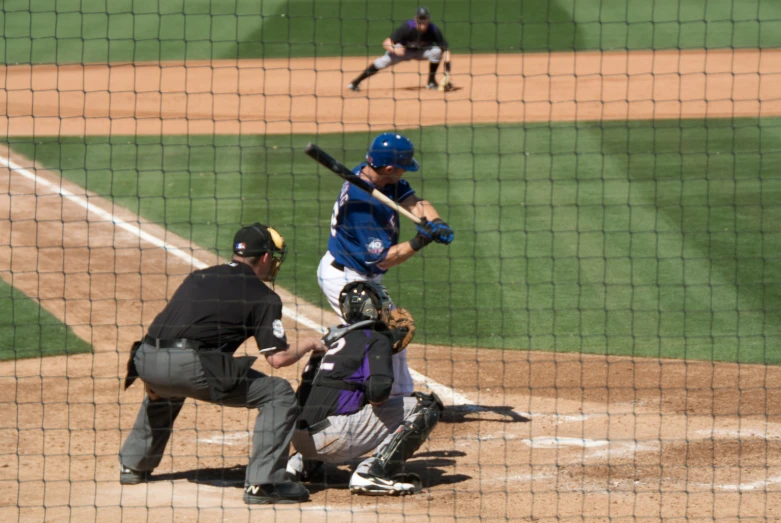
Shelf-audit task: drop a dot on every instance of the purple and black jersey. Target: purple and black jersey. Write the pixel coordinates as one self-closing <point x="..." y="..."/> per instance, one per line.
<point x="407" y="34"/>
<point x="363" y="360"/>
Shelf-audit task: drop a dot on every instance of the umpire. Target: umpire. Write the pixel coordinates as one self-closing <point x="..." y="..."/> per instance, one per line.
<point x="188" y="353"/>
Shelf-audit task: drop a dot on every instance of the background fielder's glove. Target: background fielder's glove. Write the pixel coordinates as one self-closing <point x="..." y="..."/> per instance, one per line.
<point x="444" y="83"/>
<point x="402" y="329"/>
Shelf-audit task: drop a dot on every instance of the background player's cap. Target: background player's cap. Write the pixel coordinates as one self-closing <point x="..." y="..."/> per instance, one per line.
<point x="257" y="239"/>
<point x="422" y="14"/>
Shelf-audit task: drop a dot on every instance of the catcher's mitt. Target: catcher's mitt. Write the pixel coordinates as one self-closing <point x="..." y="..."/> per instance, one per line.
<point x="402" y="329"/>
<point x="444" y="84"/>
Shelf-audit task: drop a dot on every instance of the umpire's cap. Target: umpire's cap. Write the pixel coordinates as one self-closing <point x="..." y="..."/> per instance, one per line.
<point x="257" y="240"/>
<point x="422" y="14"/>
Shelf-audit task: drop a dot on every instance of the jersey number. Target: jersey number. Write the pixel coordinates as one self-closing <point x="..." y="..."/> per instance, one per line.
<point x="343" y="197"/>
<point x="335" y="347"/>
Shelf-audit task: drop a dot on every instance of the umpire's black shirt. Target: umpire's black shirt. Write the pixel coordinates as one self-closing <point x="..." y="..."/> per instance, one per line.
<point x="221" y="307"/>
<point x="408" y="35"/>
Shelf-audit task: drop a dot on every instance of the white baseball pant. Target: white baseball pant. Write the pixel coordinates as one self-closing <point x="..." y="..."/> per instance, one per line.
<point x="349" y="437"/>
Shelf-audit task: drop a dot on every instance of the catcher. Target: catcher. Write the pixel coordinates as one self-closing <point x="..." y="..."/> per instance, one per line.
<point x="346" y="409"/>
<point x="415" y="39"/>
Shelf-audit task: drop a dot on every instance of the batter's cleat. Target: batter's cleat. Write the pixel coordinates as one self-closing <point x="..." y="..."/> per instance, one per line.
<point x="353" y="87"/>
<point x="432" y="86"/>
<point x="398" y="485"/>
<point x="279" y="493"/>
<point x="128" y="476"/>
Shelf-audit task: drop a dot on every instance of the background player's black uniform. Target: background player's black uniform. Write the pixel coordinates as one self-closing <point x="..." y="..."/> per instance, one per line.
<point x="407" y="34"/>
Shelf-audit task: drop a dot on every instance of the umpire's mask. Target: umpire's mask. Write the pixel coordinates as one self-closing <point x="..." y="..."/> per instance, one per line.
<point x="257" y="240"/>
<point x="365" y="300"/>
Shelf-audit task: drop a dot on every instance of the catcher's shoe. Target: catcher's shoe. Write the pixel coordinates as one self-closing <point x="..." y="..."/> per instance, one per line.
<point x="280" y="493"/>
<point x="128" y="476"/>
<point x="306" y="470"/>
<point x="353" y="87"/>
<point x="398" y="485"/>
<point x="432" y="86"/>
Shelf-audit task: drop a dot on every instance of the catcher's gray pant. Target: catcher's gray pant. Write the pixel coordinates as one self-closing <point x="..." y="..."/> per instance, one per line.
<point x="332" y="281"/>
<point x="176" y="374"/>
<point x="432" y="54"/>
<point x="352" y="436"/>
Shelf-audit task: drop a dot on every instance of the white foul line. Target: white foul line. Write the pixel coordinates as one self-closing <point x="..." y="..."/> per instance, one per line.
<point x="447" y="393"/>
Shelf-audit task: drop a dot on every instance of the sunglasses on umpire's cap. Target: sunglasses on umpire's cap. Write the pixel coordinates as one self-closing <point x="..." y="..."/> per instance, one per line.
<point x="257" y="240"/>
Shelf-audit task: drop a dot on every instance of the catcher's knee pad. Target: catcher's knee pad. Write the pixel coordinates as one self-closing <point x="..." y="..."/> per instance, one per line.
<point x="409" y="437"/>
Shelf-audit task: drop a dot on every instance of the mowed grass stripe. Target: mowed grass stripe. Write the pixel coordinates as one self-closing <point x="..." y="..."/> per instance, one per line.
<point x="88" y="31"/>
<point x="27" y="330"/>
<point x="600" y="238"/>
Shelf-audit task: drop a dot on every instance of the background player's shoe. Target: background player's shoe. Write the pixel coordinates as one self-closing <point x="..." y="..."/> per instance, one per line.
<point x="353" y="87"/>
<point x="432" y="86"/>
<point x="128" y="476"/>
<point x="281" y="493"/>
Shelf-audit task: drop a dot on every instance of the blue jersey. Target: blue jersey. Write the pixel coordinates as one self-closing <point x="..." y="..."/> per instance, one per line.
<point x="363" y="228"/>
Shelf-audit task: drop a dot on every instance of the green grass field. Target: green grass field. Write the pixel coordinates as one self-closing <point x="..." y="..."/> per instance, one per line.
<point x="28" y="331"/>
<point x="646" y="238"/>
<point x="62" y="31"/>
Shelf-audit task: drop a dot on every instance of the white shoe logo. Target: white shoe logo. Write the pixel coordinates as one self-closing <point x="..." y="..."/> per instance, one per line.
<point x="253" y="489"/>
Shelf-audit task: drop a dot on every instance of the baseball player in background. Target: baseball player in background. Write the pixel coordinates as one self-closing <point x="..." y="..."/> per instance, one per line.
<point x="364" y="240"/>
<point x="346" y="408"/>
<point x="415" y="39"/>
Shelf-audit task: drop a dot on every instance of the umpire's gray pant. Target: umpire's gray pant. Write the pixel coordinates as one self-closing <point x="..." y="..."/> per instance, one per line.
<point x="432" y="54"/>
<point x="176" y="374"/>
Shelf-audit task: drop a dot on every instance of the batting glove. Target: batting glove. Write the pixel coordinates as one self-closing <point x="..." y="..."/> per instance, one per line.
<point x="442" y="233"/>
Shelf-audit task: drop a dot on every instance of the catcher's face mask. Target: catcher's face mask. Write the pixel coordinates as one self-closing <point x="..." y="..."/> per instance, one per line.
<point x="365" y="300"/>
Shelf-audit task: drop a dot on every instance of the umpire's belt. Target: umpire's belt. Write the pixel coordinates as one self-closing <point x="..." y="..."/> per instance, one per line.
<point x="177" y="343"/>
<point x="338" y="266"/>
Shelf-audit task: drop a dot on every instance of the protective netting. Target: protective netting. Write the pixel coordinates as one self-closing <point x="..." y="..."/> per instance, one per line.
<point x="603" y="329"/>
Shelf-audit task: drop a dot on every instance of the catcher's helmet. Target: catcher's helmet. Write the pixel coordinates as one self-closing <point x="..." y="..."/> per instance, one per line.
<point x="394" y="150"/>
<point x="365" y="300"/>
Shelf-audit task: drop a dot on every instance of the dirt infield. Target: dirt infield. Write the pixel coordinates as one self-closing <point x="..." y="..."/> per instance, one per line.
<point x="542" y="437"/>
<point x="308" y="95"/>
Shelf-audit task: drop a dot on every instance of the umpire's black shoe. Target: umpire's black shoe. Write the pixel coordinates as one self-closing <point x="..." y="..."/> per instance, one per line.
<point x="268" y="493"/>
<point x="129" y="476"/>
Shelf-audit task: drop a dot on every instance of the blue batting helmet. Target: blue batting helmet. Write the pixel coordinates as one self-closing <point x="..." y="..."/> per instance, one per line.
<point x="394" y="150"/>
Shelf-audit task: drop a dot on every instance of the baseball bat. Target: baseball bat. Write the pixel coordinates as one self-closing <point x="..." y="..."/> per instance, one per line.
<point x="326" y="160"/>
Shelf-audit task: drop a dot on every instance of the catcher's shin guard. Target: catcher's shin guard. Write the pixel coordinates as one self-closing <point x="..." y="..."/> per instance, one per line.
<point x="408" y="437"/>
